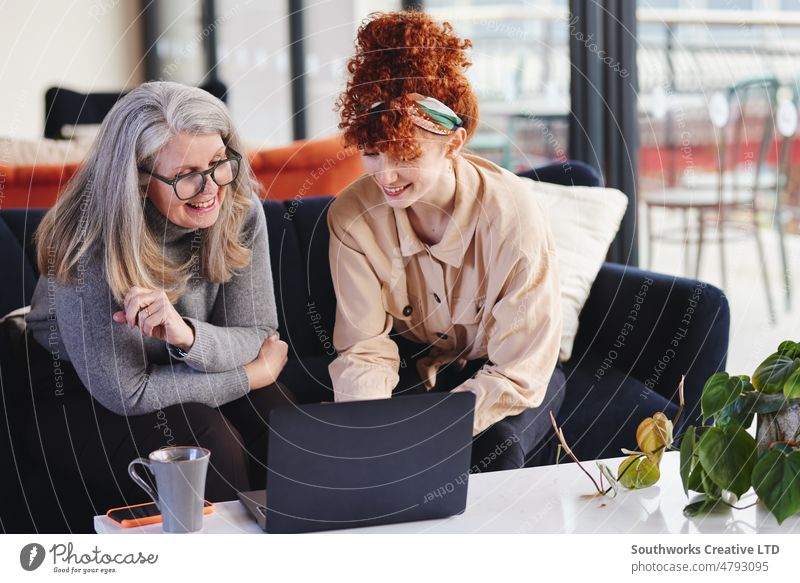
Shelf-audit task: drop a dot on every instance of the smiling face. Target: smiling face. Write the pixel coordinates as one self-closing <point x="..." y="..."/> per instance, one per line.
<point x="188" y="153"/>
<point x="427" y="178"/>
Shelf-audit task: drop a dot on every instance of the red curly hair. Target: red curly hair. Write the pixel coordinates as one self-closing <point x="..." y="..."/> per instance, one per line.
<point x="397" y="54"/>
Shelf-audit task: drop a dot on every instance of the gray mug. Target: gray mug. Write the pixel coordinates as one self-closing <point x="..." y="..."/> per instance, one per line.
<point x="180" y="474"/>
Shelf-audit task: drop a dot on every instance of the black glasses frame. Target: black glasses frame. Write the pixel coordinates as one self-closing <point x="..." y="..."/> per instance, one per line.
<point x="173" y="182"/>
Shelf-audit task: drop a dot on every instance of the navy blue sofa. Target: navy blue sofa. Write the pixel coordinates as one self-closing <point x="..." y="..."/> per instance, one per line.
<point x="618" y="373"/>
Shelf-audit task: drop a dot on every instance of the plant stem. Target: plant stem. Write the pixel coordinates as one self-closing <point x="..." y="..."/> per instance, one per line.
<point x="789" y="442"/>
<point x="682" y="403"/>
<point x="658" y="449"/>
<point x="739" y="507"/>
<point x="560" y="435"/>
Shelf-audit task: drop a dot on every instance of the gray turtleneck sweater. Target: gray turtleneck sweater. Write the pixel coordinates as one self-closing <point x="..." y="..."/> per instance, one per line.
<point x="130" y="374"/>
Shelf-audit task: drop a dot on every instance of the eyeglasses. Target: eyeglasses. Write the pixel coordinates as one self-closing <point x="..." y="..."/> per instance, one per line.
<point x="191" y="184"/>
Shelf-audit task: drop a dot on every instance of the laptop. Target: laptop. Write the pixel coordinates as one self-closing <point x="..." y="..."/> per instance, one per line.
<point x="365" y="463"/>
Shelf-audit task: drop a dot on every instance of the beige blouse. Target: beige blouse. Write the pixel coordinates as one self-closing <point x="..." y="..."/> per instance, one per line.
<point x="488" y="289"/>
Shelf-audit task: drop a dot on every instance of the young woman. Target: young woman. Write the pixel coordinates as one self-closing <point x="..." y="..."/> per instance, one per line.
<point x="153" y="322"/>
<point x="446" y="249"/>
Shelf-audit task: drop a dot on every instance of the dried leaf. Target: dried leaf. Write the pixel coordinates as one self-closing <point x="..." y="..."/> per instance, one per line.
<point x="653" y="435"/>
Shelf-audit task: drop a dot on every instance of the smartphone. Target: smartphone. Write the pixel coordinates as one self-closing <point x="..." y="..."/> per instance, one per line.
<point x="142" y="514"/>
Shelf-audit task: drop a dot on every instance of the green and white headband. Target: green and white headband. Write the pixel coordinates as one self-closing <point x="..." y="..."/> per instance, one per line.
<point x="430" y="114"/>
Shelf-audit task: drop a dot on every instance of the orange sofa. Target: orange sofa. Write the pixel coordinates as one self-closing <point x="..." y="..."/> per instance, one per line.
<point x="303" y="168"/>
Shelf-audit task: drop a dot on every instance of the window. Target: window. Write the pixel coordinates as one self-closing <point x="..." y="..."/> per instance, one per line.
<point x="520" y="72"/>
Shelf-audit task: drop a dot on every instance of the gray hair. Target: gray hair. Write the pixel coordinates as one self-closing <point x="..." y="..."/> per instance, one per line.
<point x="101" y="210"/>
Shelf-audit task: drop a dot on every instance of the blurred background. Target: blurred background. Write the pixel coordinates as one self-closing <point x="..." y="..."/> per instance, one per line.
<point x="688" y="106"/>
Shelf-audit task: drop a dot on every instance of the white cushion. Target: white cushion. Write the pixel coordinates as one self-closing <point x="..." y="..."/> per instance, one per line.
<point x="584" y="221"/>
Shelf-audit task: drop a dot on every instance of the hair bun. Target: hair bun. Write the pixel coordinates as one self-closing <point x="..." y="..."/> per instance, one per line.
<point x="397" y="54"/>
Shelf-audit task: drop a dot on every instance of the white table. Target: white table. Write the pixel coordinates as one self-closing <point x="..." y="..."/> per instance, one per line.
<point x="547" y="499"/>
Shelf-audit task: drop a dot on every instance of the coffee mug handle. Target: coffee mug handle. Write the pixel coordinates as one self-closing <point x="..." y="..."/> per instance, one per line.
<point x="138" y="479"/>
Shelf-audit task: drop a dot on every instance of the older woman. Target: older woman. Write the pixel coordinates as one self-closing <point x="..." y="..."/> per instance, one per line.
<point x="156" y="300"/>
<point x="440" y="252"/>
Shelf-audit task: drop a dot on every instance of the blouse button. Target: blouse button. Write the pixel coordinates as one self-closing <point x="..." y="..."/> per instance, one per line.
<point x="436" y="297"/>
<point x="442" y="336"/>
<point x="407" y="311"/>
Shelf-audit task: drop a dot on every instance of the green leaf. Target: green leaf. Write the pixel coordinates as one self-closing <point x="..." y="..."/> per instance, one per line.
<point x="728" y="456"/>
<point x="771" y="374"/>
<point x="738" y="412"/>
<point x="769" y="403"/>
<point x="696" y="477"/>
<point x="703" y="505"/>
<point x="642" y="473"/>
<point x="718" y="391"/>
<point x="789" y="348"/>
<point x="687" y="456"/>
<point x="776" y="480"/>
<point x="708" y="486"/>
<point x="785" y="447"/>
<point x="791" y="386"/>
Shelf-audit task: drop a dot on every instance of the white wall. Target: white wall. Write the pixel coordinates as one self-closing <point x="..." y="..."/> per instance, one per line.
<point x="86" y="45"/>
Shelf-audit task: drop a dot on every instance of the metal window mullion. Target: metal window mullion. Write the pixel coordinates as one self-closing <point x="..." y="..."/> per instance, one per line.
<point x="297" y="67"/>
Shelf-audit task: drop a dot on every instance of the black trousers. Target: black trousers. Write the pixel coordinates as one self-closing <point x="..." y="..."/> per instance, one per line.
<point x="522" y="440"/>
<point x="89" y="447"/>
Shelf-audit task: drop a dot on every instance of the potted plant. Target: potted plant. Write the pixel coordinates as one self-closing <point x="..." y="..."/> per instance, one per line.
<point x="722" y="461"/>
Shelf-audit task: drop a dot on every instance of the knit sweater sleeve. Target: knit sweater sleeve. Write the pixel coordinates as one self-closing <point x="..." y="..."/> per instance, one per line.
<point x="111" y="359"/>
<point x="244" y="312"/>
